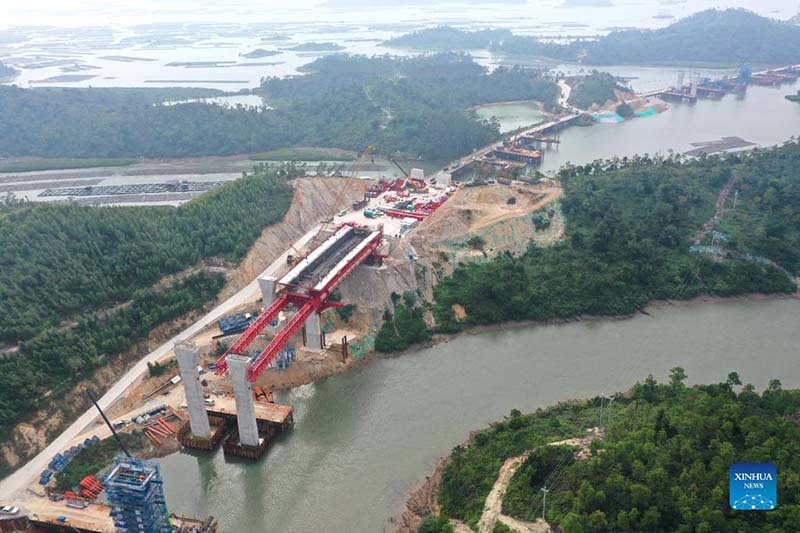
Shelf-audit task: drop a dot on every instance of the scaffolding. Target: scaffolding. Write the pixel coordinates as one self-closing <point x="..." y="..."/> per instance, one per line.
<point x="136" y="496"/>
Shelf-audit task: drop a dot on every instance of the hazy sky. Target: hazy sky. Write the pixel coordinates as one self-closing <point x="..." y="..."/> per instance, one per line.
<point x="87" y="12"/>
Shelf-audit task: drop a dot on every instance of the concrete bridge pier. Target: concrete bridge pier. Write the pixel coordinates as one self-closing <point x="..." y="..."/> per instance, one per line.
<point x="268" y="286"/>
<point x="188" y="357"/>
<point x="313" y="330"/>
<point x="245" y="406"/>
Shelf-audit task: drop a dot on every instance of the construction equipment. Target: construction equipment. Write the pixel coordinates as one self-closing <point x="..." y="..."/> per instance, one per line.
<point x="354" y="172"/>
<point x="393" y="160"/>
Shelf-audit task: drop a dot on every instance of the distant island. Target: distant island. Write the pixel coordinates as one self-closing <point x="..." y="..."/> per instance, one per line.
<point x="260" y="52"/>
<point x="448" y="38"/>
<point x="316" y="47"/>
<point x="711" y="37"/>
<point x="7" y="73"/>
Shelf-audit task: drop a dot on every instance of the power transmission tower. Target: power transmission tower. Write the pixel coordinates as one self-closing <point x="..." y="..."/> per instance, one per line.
<point x="545" y="490"/>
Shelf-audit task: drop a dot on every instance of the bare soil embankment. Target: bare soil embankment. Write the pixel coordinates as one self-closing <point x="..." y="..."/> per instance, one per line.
<point x="314" y="200"/>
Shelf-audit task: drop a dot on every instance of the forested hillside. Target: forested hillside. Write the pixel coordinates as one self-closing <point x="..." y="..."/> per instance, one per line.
<point x="766" y="221"/>
<point x="731" y="37"/>
<point x="79" y="285"/>
<point x="595" y="88"/>
<point x="629" y="225"/>
<point x="662" y="465"/>
<point x="415" y="106"/>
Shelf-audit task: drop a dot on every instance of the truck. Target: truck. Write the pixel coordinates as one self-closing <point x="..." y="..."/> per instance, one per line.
<point x="234" y="323"/>
<point x="369" y="213"/>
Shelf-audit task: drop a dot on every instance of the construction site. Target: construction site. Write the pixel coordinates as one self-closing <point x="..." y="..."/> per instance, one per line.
<point x="311" y="311"/>
<point x="304" y="304"/>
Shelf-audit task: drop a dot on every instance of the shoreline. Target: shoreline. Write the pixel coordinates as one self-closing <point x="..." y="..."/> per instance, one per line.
<point x="422" y="499"/>
<point x="646" y="310"/>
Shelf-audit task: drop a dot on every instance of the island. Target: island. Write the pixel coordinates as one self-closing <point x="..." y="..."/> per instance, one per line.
<point x="260" y="52"/>
<point x="316" y="47"/>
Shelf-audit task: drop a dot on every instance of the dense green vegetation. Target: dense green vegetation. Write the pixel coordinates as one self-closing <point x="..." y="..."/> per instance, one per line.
<point x="79" y="285"/>
<point x="415" y="106"/>
<point x="59" y="260"/>
<point x="436" y="524"/>
<point x="31" y="165"/>
<point x="473" y="469"/>
<point x="53" y="361"/>
<point x="766" y="221"/>
<point x="412" y="105"/>
<point x="731" y="37"/>
<point x="92" y="460"/>
<point x="662" y="466"/>
<point x="404" y="326"/>
<point x="629" y="223"/>
<point x="595" y="88"/>
<point x="447" y="38"/>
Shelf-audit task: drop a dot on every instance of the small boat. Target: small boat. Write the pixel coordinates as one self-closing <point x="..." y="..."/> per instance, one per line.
<point x="793" y="97"/>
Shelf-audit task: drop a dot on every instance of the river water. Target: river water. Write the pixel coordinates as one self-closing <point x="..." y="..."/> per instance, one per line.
<point x="363" y="439"/>
<point x="763" y="116"/>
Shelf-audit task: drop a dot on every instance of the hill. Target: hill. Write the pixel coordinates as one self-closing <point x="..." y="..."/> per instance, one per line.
<point x="631" y="225"/>
<point x="733" y="36"/>
<point x="714" y="37"/>
<point x="661" y="465"/>
<point x="79" y="286"/>
<point x="414" y="106"/>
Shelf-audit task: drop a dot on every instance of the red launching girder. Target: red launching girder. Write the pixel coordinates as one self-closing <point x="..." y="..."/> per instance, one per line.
<point x="252" y="332"/>
<point x="265" y="358"/>
<point x="313" y="304"/>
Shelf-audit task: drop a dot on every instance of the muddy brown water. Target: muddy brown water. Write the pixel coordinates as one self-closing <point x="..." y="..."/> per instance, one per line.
<point x="363" y="439"/>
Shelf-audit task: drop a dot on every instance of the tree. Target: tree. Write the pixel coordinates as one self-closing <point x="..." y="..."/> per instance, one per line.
<point x="676" y="377"/>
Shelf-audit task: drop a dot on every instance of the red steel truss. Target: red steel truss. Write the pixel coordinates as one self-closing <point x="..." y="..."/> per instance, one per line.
<point x="310" y="300"/>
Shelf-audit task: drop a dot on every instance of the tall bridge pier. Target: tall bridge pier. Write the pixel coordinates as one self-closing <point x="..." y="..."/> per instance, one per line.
<point x="245" y="403"/>
<point x="188" y="356"/>
<point x="307" y="286"/>
<point x="313" y="332"/>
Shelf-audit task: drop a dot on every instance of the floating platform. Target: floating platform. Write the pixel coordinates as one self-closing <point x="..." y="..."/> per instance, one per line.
<point x="267" y="414"/>
<point x="271" y="419"/>
<point x="724" y="144"/>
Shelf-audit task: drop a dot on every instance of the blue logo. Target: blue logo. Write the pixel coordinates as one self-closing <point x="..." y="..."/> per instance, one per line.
<point x="753" y="487"/>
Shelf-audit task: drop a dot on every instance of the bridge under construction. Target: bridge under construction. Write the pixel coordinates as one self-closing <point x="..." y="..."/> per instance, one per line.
<point x="307" y="287"/>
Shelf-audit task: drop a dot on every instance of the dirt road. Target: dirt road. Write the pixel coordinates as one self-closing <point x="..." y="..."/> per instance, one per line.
<point x="13" y="485"/>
